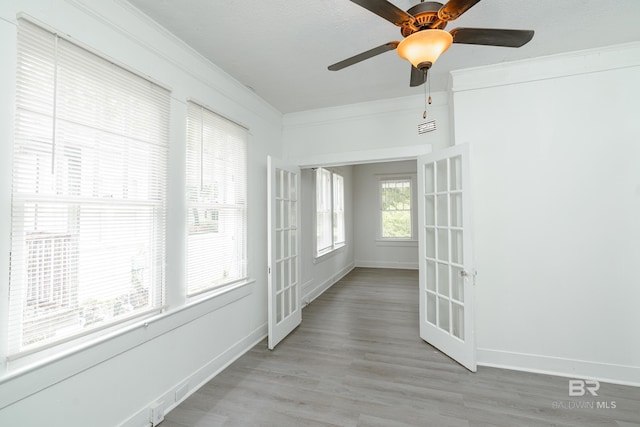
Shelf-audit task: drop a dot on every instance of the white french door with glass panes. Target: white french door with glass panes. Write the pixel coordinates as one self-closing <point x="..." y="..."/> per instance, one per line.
<point x="283" y="219"/>
<point x="446" y="259"/>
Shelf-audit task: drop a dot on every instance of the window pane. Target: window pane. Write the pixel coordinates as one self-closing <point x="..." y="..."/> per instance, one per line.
<point x="395" y="205"/>
<point x="396" y="224"/>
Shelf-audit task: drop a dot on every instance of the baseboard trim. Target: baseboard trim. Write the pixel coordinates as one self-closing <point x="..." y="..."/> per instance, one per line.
<point x="199" y="378"/>
<point x="571" y="368"/>
<point x="388" y="264"/>
<point x="315" y="292"/>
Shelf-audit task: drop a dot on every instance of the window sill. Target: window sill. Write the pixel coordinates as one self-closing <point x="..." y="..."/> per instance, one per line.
<point x="329" y="254"/>
<point x="49" y="369"/>
<point x="409" y="243"/>
<point x="207" y="294"/>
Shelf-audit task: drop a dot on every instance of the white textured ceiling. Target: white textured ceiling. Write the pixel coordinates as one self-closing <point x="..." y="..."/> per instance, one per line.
<point x="281" y="48"/>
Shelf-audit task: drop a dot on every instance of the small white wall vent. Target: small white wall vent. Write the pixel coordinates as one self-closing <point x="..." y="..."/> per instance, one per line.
<point x="425" y="127"/>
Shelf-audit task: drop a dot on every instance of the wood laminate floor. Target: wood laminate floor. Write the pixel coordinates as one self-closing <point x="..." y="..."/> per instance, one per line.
<point x="357" y="360"/>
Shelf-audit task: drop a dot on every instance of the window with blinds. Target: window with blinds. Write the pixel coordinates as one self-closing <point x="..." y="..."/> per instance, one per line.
<point x="88" y="195"/>
<point x="338" y="209"/>
<point x="330" y="224"/>
<point x="216" y="200"/>
<point x="324" y="228"/>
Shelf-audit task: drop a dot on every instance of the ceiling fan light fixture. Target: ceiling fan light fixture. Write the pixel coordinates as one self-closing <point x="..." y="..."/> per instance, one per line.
<point x="423" y="48"/>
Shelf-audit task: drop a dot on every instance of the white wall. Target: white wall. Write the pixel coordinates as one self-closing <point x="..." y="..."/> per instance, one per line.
<point x="370" y="250"/>
<point x="319" y="274"/>
<point x="367" y="132"/>
<point x="556" y="176"/>
<point x="114" y="381"/>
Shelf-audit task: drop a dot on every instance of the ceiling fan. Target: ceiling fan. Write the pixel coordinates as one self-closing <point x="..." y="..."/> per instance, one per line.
<point x="422" y="27"/>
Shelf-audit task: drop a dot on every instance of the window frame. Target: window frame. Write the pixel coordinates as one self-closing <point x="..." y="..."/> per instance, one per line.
<point x="412" y="179"/>
<point x="217" y="199"/>
<point x="332" y="213"/>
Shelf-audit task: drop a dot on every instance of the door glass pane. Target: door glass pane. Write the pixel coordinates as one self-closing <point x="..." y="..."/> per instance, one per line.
<point x="285" y="277"/>
<point x="431" y="275"/>
<point x="278" y="214"/>
<point x="279" y="244"/>
<point x="293" y="194"/>
<point x="294" y="271"/>
<point x="287" y="306"/>
<point x="285" y="244"/>
<point x="456" y="246"/>
<point x="294" y="243"/>
<point x="279" y="307"/>
<point x="443" y="215"/>
<point x="286" y="218"/>
<point x="457" y="320"/>
<point x="430" y="242"/>
<point x="294" y="298"/>
<point x="441" y="175"/>
<point x="278" y="183"/>
<point x="428" y="178"/>
<point x="279" y="276"/>
<point x="443" y="313"/>
<point x="456" y="210"/>
<point x="455" y="164"/>
<point x="443" y="279"/>
<point x="429" y="210"/>
<point x="443" y="245"/>
<point x="290" y="179"/>
<point x="293" y="206"/>
<point x="431" y="308"/>
<point x="457" y="284"/>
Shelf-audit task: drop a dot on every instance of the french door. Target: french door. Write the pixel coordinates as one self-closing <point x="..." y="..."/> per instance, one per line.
<point x="446" y="259"/>
<point x="283" y="217"/>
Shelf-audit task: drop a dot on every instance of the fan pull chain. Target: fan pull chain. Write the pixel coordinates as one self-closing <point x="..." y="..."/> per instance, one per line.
<point x="429" y="81"/>
<point x="424" y="115"/>
<point x="426" y="100"/>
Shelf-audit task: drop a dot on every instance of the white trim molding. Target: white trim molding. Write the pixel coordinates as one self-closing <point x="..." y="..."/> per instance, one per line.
<point x="400" y="265"/>
<point x="380" y="155"/>
<point x="547" y="67"/>
<point x="311" y="292"/>
<point x="563" y="367"/>
<point x="178" y="393"/>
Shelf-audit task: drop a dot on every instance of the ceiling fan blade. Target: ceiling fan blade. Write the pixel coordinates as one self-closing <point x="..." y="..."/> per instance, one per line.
<point x="388" y="11"/>
<point x="362" y="56"/>
<point x="454" y="8"/>
<point x="492" y="36"/>
<point x="418" y="77"/>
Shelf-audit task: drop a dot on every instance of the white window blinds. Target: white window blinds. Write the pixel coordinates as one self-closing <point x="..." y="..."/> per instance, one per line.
<point x="324" y="229"/>
<point x="338" y="209"/>
<point x="330" y="224"/>
<point x="216" y="200"/>
<point x="88" y="206"/>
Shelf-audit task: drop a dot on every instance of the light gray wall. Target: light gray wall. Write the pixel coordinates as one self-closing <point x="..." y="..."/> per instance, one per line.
<point x="114" y="381"/>
<point x="370" y="250"/>
<point x="556" y="189"/>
